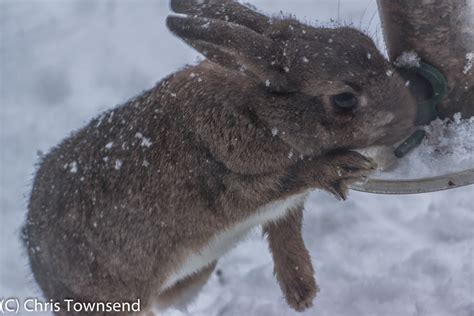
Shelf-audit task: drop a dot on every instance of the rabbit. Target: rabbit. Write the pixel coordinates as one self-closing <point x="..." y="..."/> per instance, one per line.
<point x="142" y="202"/>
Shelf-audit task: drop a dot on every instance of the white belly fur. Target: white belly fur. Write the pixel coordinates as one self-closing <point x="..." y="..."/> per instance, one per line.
<point x="226" y="240"/>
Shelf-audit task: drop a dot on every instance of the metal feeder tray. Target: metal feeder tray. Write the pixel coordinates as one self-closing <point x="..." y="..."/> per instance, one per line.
<point x="426" y="112"/>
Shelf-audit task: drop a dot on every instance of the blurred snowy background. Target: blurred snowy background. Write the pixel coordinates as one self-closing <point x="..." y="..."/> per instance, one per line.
<point x="63" y="62"/>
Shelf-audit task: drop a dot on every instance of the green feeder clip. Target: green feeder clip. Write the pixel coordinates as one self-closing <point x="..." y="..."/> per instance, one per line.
<point x="426" y="110"/>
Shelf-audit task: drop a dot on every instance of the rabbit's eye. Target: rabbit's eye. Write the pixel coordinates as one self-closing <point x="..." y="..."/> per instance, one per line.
<point x="345" y="102"/>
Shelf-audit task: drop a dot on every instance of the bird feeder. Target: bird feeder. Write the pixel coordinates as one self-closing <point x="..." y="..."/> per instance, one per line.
<point x="439" y="37"/>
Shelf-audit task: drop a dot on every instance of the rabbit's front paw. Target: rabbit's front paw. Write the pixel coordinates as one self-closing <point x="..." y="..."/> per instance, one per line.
<point x="345" y="168"/>
<point x="300" y="292"/>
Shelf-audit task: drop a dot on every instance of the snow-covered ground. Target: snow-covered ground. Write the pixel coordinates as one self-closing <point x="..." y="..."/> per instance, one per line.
<point x="63" y="62"/>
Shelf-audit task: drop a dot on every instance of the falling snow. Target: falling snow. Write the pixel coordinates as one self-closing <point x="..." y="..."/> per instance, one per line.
<point x="469" y="63"/>
<point x="408" y="59"/>
<point x="73" y="167"/>
<point x="373" y="255"/>
<point x="118" y="164"/>
<point x="146" y="142"/>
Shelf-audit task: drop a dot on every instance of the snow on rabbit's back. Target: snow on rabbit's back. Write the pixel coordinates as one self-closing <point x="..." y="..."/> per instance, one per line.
<point x="142" y="202"/>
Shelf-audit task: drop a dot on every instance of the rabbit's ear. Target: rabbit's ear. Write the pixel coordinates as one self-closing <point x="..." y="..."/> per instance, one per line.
<point x="233" y="46"/>
<point x="224" y="10"/>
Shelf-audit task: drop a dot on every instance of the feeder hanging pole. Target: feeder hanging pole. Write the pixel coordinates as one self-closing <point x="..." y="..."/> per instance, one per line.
<point x="442" y="33"/>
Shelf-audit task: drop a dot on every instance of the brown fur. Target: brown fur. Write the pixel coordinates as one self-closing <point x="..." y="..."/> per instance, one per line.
<point x="120" y="204"/>
<point x="293" y="268"/>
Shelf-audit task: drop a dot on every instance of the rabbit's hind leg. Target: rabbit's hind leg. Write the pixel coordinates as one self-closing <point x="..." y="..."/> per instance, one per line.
<point x="186" y="290"/>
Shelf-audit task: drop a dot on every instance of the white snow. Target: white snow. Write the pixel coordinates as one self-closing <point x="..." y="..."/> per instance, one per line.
<point x="408" y="59"/>
<point x="73" y="167"/>
<point x="118" y="164"/>
<point x="109" y="145"/>
<point x="469" y="63"/>
<point x="68" y="61"/>
<point x="145" y="142"/>
<point x="290" y="154"/>
<point x="447" y="148"/>
<point x="111" y="116"/>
